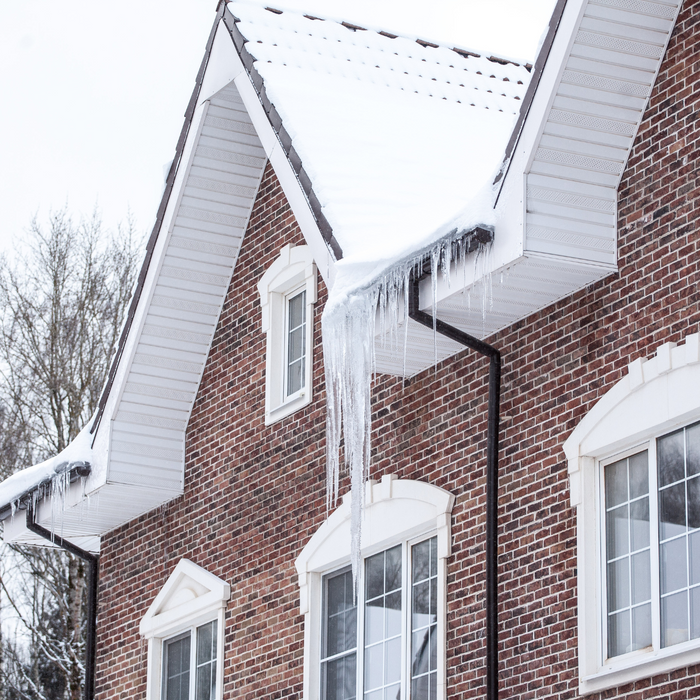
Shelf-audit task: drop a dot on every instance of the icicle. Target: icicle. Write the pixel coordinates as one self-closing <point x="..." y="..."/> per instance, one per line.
<point x="349" y="358"/>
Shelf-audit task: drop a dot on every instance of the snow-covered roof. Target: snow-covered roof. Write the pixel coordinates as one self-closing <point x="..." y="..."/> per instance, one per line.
<point x="396" y="135"/>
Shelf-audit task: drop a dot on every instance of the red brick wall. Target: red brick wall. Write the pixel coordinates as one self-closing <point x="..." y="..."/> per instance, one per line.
<point x="255" y="494"/>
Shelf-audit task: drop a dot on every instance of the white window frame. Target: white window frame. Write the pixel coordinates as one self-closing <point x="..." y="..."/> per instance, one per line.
<point x="292" y="271"/>
<point x="190" y="598"/>
<point x="654" y="398"/>
<point x="396" y="511"/>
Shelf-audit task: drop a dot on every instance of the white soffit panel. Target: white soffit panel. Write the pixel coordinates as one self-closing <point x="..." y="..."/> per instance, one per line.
<point x="588" y="134"/>
<point x="211" y="215"/>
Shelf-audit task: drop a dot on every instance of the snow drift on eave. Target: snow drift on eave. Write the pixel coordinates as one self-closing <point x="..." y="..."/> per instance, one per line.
<point x="54" y="473"/>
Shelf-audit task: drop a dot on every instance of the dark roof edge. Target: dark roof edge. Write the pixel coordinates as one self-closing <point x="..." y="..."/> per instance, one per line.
<point x="75" y="470"/>
<point x="540" y="63"/>
<point x="239" y="42"/>
<point x="153" y="238"/>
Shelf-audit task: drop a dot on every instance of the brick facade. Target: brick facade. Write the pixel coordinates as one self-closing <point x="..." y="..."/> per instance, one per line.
<point x="254" y="495"/>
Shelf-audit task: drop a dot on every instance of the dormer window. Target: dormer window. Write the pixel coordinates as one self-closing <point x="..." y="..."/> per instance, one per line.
<point x="287" y="297"/>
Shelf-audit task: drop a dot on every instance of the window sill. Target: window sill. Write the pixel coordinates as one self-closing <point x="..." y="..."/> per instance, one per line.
<point x="292" y="404"/>
<point x="642" y="665"/>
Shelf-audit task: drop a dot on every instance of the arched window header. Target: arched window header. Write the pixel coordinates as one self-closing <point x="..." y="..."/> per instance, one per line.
<point x="394" y="508"/>
<point x="655" y="395"/>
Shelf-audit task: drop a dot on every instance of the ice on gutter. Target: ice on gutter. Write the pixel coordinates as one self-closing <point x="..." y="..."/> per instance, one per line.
<point x="50" y="478"/>
<point x="367" y="293"/>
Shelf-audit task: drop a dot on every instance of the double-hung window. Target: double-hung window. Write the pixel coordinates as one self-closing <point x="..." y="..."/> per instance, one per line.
<point x="189" y="668"/>
<point x="287" y="297"/>
<point x="389" y="650"/>
<point x="652" y="544"/>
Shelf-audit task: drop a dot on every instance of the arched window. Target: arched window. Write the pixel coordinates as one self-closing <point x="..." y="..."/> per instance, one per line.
<point x="634" y="468"/>
<point x="390" y="639"/>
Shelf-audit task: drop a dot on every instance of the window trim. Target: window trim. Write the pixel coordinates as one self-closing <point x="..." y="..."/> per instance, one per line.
<point x="654" y="398"/>
<point x="396" y="510"/>
<point x="292" y="271"/>
<point x="191" y="597"/>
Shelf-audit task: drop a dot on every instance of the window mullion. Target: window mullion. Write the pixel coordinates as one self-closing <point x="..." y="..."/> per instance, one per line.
<point x="655" y="548"/>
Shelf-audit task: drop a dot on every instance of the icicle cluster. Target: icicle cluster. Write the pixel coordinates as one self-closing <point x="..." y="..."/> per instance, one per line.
<point x="348" y="352"/>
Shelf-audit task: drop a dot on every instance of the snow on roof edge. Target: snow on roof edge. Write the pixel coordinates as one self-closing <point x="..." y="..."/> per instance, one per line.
<point x="74" y="459"/>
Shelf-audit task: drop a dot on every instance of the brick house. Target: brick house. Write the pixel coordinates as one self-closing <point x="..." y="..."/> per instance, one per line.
<point x="576" y="570"/>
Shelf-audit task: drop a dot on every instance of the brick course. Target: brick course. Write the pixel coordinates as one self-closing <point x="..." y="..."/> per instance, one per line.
<point x="254" y="495"/>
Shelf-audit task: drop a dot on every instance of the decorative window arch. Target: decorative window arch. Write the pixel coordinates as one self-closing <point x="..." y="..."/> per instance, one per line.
<point x="397" y="512"/>
<point x="189" y="607"/>
<point x="657" y="400"/>
<point x="287" y="297"/>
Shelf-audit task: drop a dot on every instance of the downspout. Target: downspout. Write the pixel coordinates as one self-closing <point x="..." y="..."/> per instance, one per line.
<point x="494" y="356"/>
<point x="92" y="578"/>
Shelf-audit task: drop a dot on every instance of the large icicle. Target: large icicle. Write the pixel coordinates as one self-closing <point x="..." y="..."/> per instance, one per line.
<point x="348" y="352"/>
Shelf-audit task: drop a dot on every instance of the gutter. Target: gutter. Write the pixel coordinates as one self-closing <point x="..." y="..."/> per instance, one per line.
<point x="494" y="356"/>
<point x="92" y="581"/>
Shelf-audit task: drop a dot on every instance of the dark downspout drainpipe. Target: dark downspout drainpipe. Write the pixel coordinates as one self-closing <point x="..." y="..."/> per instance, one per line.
<point x="491" y="475"/>
<point x="92" y="577"/>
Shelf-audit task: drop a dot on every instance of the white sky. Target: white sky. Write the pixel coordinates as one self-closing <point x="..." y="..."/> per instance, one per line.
<point x="92" y="93"/>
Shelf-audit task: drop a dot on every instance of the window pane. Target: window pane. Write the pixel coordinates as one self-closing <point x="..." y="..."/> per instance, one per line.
<point x="639" y="475"/>
<point x="670" y="458"/>
<point x="672" y="511"/>
<point x="641" y="578"/>
<point x="177" y="668"/>
<point x="338" y="678"/>
<point x="694" y="546"/>
<point x="297" y="310"/>
<point x="641" y="627"/>
<point x="618" y="585"/>
<point x="616" y="483"/>
<point x="692" y="445"/>
<point x="341" y="615"/>
<point x="674" y="619"/>
<point x="205" y="688"/>
<point x="338" y="675"/>
<point x="423" y="620"/>
<point x="639" y="524"/>
<point x="619" y="637"/>
<point x="618" y="532"/>
<point x="694" y="503"/>
<point x="673" y="567"/>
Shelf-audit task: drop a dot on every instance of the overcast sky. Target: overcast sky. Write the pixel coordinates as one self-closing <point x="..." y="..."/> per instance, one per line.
<point x="92" y="93"/>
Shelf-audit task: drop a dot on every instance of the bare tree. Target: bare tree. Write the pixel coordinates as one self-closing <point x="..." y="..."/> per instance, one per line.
<point x="62" y="302"/>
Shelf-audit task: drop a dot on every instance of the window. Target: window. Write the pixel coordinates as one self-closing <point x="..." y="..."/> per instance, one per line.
<point x="634" y="466"/>
<point x="184" y="660"/>
<point x="295" y="363"/>
<point x="287" y="295"/>
<point x="389" y="642"/>
<point x="184" y="629"/>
